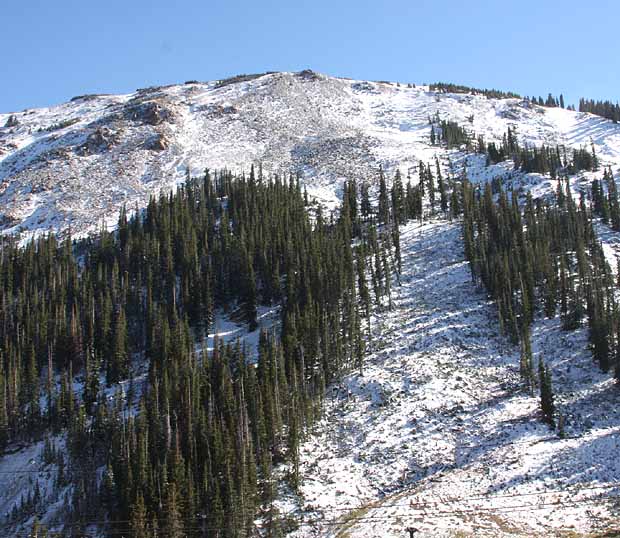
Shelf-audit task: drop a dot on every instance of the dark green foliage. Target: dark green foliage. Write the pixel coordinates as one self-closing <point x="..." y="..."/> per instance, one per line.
<point x="551" y="101"/>
<point x="206" y="428"/>
<point x="445" y="87"/>
<point x="398" y="200"/>
<point x="238" y="78"/>
<point x="538" y="257"/>
<point x="384" y="203"/>
<point x="526" y="363"/>
<point x="547" y="404"/>
<point x="365" y="206"/>
<point x="443" y="192"/>
<point x="606" y="109"/>
<point x="605" y="202"/>
<point x="548" y="160"/>
<point x="59" y="125"/>
<point x="452" y="135"/>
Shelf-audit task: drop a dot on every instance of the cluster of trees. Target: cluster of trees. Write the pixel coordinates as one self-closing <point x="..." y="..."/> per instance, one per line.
<point x="546" y="160"/>
<point x="407" y="202"/>
<point x="551" y="101"/>
<point x="190" y="447"/>
<point x="449" y="134"/>
<point x="605" y="200"/>
<point x="542" y="258"/>
<point x="446" y="87"/>
<point x="605" y="109"/>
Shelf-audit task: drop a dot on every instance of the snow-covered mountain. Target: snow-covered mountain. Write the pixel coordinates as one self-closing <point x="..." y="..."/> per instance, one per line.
<point x="436" y="433"/>
<point x="74" y="165"/>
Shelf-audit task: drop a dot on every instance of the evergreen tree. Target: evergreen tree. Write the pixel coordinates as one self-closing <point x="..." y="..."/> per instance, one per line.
<point x="546" y="393"/>
<point x="384" y="208"/>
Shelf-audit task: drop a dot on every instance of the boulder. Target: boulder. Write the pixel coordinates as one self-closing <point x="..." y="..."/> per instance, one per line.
<point x="12" y="121"/>
<point x="308" y="74"/>
<point x="149" y="112"/>
<point x="157" y="143"/>
<point x="100" y="140"/>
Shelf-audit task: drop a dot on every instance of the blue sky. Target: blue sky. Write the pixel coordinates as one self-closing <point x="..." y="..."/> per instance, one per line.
<point x="54" y="50"/>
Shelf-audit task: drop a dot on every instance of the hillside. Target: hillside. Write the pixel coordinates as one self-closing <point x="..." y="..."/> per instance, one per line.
<point x="356" y="422"/>
<point x="437" y="433"/>
<point x="71" y="166"/>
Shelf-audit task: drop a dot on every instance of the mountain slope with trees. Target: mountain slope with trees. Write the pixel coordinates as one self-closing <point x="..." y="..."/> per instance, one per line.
<point x="439" y="266"/>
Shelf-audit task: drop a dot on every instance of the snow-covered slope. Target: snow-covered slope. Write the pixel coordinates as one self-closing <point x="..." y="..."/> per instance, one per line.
<point x="74" y="165"/>
<point x="438" y="435"/>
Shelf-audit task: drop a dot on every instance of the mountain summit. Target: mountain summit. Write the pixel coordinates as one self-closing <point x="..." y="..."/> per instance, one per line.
<point x="73" y="166"/>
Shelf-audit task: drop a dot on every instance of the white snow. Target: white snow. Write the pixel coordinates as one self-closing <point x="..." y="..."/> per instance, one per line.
<point x="438" y="434"/>
<point x="326" y="129"/>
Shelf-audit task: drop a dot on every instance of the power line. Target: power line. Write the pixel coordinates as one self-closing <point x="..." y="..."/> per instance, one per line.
<point x="435" y="510"/>
<point x="119" y="531"/>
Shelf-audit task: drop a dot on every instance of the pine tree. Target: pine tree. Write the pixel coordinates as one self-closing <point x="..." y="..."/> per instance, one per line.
<point x="365" y="205"/>
<point x="364" y="294"/>
<point x="173" y="526"/>
<point x="398" y="200"/>
<point x="526" y="365"/>
<point x="118" y="362"/>
<point x="4" y="416"/>
<point x="546" y="393"/>
<point x="200" y="428"/>
<point x="617" y="358"/>
<point x="384" y="208"/>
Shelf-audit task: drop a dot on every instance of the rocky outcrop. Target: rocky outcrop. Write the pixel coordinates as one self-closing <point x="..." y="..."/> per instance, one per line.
<point x="12" y="121"/>
<point x="7" y="147"/>
<point x="157" y="142"/>
<point x="99" y="141"/>
<point x="308" y="74"/>
<point x="149" y="112"/>
<point x="216" y="111"/>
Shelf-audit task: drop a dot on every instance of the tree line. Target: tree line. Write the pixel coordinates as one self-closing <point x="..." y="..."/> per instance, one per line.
<point x="546" y="160"/>
<point x="447" y="87"/>
<point x="605" y="109"/>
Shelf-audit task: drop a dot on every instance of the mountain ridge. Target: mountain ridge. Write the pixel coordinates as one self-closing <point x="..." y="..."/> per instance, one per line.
<point x="72" y="166"/>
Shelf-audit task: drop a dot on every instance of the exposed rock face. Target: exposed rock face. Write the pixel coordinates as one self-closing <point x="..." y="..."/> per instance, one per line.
<point x="308" y="74"/>
<point x="149" y="112"/>
<point x="75" y="164"/>
<point x="6" y="221"/>
<point x="100" y="140"/>
<point x="157" y="142"/>
<point x="6" y="147"/>
<point x="220" y="110"/>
